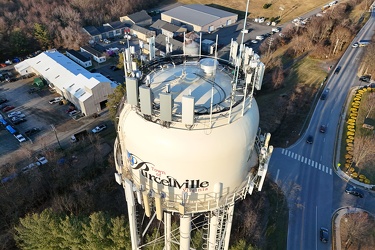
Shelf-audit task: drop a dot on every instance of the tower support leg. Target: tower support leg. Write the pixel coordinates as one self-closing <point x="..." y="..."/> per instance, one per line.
<point x="167" y="231"/>
<point x="185" y="228"/>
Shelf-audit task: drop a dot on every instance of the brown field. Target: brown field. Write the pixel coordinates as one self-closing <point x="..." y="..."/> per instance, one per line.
<point x="292" y="8"/>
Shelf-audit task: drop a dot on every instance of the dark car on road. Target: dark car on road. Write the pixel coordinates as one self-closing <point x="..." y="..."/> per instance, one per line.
<point x="323" y="128"/>
<point x="337" y="70"/>
<point x="323" y="234"/>
<point x="354" y="191"/>
<point x="324" y="94"/>
<point x="310" y="139"/>
<point x="365" y="78"/>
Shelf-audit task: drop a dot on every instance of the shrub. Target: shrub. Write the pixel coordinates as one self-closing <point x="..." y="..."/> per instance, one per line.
<point x="267" y="5"/>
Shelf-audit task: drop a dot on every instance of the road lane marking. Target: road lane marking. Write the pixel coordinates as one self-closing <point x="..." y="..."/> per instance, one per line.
<point x="277" y="174"/>
<point x="306" y="161"/>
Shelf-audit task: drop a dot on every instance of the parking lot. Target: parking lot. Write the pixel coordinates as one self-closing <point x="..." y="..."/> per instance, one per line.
<point x="39" y="113"/>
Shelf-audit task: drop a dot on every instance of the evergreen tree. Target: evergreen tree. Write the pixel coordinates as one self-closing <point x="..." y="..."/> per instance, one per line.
<point x="19" y="42"/>
<point x="119" y="234"/>
<point x="96" y="232"/>
<point x="42" y="36"/>
<point x="114" y="101"/>
<point x="38" y="231"/>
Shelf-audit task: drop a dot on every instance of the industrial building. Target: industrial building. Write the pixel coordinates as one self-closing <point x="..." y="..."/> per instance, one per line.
<point x="87" y="91"/>
<point x="199" y="18"/>
<point x="79" y="58"/>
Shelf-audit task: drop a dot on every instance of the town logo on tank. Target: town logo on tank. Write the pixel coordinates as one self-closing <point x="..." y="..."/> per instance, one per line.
<point x="149" y="171"/>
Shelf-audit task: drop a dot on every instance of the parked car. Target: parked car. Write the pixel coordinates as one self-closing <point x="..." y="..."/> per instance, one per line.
<point x="32" y="131"/>
<point x="310" y="139"/>
<point x="3" y="100"/>
<point x="9" y="178"/>
<point x="260" y="38"/>
<point x="323" y="235"/>
<point x="365" y="78"/>
<point x="8" y="108"/>
<point x="28" y="168"/>
<point x="14" y="113"/>
<point x="41" y="160"/>
<point x="74" y="112"/>
<point x="18" y="121"/>
<point x="99" y="128"/>
<point x="32" y="90"/>
<point x="19" y="137"/>
<point x="56" y="100"/>
<point x="18" y="117"/>
<point x="354" y="191"/>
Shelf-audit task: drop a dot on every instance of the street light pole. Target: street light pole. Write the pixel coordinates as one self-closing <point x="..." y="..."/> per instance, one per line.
<point x="54" y="129"/>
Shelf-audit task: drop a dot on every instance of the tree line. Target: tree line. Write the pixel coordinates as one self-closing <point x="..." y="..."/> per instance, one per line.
<point x="30" y="25"/>
<point x="323" y="37"/>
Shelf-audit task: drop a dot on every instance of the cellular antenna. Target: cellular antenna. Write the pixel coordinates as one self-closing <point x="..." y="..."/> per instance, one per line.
<point x="238" y="64"/>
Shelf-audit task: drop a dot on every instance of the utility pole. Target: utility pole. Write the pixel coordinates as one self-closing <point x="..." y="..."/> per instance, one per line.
<point x="54" y="129"/>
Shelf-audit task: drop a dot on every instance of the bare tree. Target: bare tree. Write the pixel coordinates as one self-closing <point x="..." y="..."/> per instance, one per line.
<point x="364" y="146"/>
<point x="340" y="36"/>
<point x="370" y="103"/>
<point x="357" y="229"/>
<point x="278" y="75"/>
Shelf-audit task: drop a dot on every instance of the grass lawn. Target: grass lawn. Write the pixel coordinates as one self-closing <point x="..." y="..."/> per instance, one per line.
<point x="367" y="166"/>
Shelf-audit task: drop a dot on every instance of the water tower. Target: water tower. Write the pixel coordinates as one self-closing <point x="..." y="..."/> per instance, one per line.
<point x="189" y="144"/>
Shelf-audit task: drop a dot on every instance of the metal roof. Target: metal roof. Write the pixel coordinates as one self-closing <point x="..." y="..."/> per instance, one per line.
<point x="139" y="16"/>
<point x="92" y="30"/>
<point x="65" y="74"/>
<point x="78" y="55"/>
<point x="197" y="14"/>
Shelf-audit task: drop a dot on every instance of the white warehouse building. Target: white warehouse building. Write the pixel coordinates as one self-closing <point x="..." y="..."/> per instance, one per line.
<point x="199" y="18"/>
<point x="87" y="91"/>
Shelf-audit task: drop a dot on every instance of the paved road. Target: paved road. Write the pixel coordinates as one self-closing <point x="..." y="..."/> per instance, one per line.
<point x="305" y="171"/>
